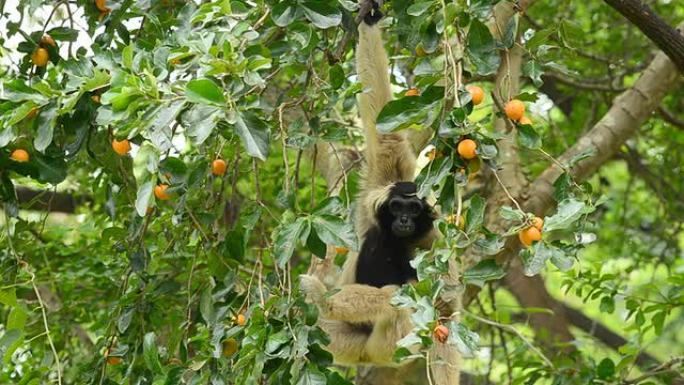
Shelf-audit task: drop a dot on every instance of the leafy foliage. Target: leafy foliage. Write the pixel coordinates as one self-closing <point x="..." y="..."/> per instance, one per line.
<point x="201" y="287"/>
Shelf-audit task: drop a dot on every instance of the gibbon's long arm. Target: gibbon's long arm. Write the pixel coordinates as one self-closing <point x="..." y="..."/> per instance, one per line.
<point x="372" y="66"/>
<point x="389" y="157"/>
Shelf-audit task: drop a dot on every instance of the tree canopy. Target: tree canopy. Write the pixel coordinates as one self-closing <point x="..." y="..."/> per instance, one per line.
<point x="168" y="169"/>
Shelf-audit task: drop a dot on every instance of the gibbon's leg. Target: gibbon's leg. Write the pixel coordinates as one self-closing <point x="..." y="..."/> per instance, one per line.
<point x="387" y="331"/>
<point x="355" y="303"/>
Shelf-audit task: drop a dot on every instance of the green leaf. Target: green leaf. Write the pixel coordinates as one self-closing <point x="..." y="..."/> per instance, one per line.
<point x="159" y="129"/>
<point x="410" y="110"/>
<point x="9" y="343"/>
<point x="125" y="319"/>
<point x="482" y="48"/>
<point x="568" y="212"/>
<point x="312" y="376"/>
<point x="605" y="369"/>
<point x="534" y="258"/>
<point x="510" y="214"/>
<point x="283" y="13"/>
<point x="336" y="74"/>
<point x="63" y="34"/>
<point x="490" y="244"/>
<point x="286" y="237"/>
<point x="418" y="9"/>
<point x="143" y="197"/>
<point x="207" y="305"/>
<point x="200" y="121"/>
<point x="16" y="319"/>
<point x="8" y="297"/>
<point x="321" y="14"/>
<point x="254" y="134"/>
<point x="586" y="153"/>
<point x="658" y="322"/>
<point x="45" y="122"/>
<point x="151" y="354"/>
<point x="534" y="71"/>
<point x="607" y="305"/>
<point x="204" y="91"/>
<point x="50" y="170"/>
<point x="466" y="341"/>
<point x="276" y="341"/>
<point x="475" y="214"/>
<point x="433" y="174"/>
<point x="562" y="261"/>
<point x="485" y="270"/>
<point x="528" y="137"/>
<point x="334" y="231"/>
<point x="146" y="162"/>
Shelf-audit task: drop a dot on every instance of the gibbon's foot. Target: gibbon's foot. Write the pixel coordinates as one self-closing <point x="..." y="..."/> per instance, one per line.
<point x="369" y="11"/>
<point x="313" y="288"/>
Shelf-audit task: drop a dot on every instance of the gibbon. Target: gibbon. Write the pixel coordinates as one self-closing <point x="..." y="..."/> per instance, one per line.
<point x="391" y="220"/>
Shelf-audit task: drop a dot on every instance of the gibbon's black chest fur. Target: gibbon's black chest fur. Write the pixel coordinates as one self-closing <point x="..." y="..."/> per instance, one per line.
<point x="385" y="258"/>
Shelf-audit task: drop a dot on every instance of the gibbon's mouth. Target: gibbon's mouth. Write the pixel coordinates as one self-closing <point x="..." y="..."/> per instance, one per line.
<point x="402" y="230"/>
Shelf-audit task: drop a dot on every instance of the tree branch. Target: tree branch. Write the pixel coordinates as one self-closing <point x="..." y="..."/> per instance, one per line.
<point x="670" y="117"/>
<point x="629" y="111"/>
<point x="669" y="40"/>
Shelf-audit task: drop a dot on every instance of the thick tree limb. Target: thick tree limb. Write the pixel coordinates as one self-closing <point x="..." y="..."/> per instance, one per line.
<point x="663" y="35"/>
<point x="629" y="111"/>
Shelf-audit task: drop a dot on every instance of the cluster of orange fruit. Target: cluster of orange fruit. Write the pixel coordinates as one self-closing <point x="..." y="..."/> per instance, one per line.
<point x="123" y="147"/>
<point x="531" y="234"/>
<point x="515" y="111"/>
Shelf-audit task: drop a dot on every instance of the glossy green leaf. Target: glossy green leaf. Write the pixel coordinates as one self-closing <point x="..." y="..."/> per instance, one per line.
<point x="254" y="134"/>
<point x="485" y="270"/>
<point x="204" y="91"/>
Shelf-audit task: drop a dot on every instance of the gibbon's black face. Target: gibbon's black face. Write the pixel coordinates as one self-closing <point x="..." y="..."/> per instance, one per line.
<point x="404" y="214"/>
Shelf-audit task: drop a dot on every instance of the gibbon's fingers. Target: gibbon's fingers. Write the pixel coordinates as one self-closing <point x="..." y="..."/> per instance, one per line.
<point x="312" y="288"/>
<point x="359" y="303"/>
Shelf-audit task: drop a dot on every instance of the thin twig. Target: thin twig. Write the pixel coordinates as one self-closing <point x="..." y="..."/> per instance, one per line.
<point x="515" y="331"/>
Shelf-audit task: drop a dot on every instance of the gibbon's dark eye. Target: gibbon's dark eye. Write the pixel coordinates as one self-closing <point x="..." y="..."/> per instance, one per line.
<point x="395" y="205"/>
<point x="415" y="207"/>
